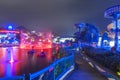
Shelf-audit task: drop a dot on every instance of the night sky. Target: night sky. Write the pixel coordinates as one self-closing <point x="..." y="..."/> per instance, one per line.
<point x="56" y="15"/>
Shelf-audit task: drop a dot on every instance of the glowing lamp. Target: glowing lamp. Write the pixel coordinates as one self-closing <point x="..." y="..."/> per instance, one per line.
<point x="10" y="27"/>
<point x="118" y="73"/>
<point x="112" y="43"/>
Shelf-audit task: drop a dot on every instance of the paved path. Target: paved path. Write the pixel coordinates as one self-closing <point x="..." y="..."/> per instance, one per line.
<point x="84" y="71"/>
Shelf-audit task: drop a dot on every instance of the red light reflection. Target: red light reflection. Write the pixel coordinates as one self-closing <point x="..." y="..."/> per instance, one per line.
<point x="23" y="62"/>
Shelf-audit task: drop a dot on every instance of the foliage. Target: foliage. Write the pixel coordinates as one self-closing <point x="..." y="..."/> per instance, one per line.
<point x="109" y="59"/>
<point x="88" y="33"/>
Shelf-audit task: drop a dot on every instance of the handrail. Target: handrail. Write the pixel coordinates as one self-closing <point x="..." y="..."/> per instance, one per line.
<point x="65" y="65"/>
<point x="14" y="78"/>
<point x="51" y="70"/>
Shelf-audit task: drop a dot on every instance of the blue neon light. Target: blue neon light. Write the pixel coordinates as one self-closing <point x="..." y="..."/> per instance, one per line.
<point x="10" y="27"/>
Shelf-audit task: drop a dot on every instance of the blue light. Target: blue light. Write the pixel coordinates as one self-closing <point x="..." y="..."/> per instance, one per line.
<point x="112" y="43"/>
<point x="10" y="27"/>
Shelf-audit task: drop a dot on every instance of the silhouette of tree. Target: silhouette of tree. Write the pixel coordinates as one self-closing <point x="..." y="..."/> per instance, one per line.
<point x="89" y="33"/>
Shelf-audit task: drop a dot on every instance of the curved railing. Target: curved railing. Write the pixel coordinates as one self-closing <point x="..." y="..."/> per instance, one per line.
<point x="55" y="71"/>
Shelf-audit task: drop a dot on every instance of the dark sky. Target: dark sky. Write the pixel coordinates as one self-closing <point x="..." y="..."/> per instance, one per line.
<point x="57" y="15"/>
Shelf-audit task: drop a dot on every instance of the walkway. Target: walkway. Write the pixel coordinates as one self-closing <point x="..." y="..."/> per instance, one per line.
<point x="84" y="71"/>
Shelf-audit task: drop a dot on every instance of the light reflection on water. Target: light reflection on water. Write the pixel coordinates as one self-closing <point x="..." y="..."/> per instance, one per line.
<point x="23" y="62"/>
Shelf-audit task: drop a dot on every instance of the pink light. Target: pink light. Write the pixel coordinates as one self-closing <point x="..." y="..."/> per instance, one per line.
<point x="11" y="61"/>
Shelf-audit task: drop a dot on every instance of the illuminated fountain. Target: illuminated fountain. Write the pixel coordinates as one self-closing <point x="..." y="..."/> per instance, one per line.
<point x="11" y="58"/>
<point x="10" y="51"/>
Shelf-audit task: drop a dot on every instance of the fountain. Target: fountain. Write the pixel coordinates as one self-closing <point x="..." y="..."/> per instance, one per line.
<point x="11" y="58"/>
<point x="10" y="51"/>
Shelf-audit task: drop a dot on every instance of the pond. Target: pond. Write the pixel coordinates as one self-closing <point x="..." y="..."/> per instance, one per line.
<point x="15" y="61"/>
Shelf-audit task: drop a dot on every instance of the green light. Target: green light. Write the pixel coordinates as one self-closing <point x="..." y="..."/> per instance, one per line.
<point x="118" y="73"/>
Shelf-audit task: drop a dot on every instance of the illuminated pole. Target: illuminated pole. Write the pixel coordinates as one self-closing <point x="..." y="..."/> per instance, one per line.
<point x="92" y="37"/>
<point x="116" y="30"/>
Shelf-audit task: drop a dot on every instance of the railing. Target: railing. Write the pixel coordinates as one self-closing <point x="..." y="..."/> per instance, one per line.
<point x="55" y="71"/>
<point x="14" y="78"/>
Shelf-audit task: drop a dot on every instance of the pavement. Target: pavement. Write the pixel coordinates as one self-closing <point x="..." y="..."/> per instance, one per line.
<point x="83" y="71"/>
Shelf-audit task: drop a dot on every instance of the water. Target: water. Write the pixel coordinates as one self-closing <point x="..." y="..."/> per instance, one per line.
<point x="18" y="61"/>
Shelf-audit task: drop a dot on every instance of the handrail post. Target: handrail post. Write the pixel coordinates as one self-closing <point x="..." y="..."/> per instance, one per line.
<point x="28" y="77"/>
<point x="73" y="60"/>
<point x="54" y="69"/>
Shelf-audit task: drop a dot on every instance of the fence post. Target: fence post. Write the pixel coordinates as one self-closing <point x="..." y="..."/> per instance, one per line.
<point x="54" y="69"/>
<point x="73" y="59"/>
<point x="65" y="63"/>
<point x="24" y="77"/>
<point x="28" y="77"/>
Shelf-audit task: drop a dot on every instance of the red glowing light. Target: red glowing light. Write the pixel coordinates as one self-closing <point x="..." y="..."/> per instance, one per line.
<point x="40" y="42"/>
<point x="9" y="31"/>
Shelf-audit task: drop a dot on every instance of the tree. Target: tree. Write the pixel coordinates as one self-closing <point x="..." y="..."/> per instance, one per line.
<point x="104" y="37"/>
<point x="93" y="33"/>
<point x="77" y="36"/>
<point x="88" y="33"/>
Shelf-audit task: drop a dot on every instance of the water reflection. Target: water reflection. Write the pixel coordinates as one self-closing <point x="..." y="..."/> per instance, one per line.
<point x="23" y="62"/>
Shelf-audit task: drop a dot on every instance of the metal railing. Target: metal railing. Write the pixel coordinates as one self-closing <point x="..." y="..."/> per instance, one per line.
<point x="56" y="70"/>
<point x="13" y="78"/>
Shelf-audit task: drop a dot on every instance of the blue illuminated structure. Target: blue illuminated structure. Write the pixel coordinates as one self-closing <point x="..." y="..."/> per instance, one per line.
<point x="10" y="27"/>
<point x="114" y="12"/>
<point x="9" y="36"/>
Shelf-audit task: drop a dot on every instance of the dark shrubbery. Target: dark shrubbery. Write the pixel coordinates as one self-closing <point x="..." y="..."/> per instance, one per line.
<point x="106" y="58"/>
